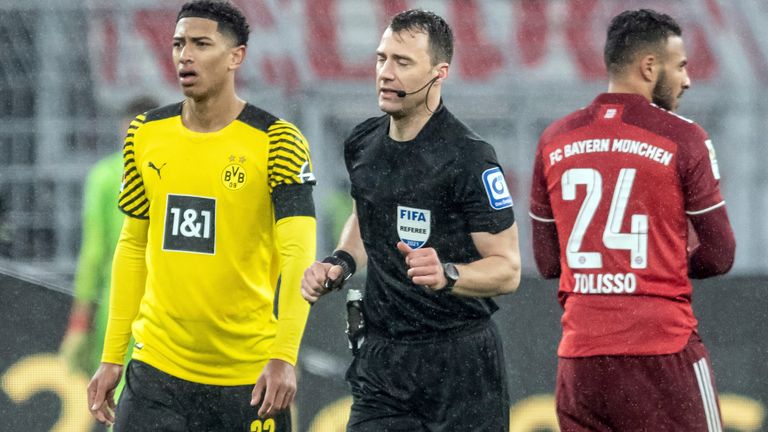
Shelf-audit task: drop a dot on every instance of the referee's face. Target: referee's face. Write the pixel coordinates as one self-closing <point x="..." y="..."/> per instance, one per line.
<point x="203" y="57"/>
<point x="403" y="64"/>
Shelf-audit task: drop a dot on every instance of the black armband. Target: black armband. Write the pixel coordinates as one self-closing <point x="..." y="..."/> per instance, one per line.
<point x="347" y="263"/>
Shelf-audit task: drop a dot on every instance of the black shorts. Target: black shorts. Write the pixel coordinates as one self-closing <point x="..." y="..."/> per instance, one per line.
<point x="152" y="400"/>
<point x="455" y="383"/>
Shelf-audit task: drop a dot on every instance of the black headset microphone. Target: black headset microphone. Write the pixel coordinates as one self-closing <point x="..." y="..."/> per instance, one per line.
<point x="403" y="93"/>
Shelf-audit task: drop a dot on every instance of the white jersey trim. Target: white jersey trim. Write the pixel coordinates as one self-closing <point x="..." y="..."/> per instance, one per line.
<point x="540" y="219"/>
<point x="708" y="397"/>
<point x="698" y="212"/>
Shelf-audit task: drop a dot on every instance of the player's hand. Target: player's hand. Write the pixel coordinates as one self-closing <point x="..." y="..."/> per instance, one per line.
<point x="319" y="279"/>
<point x="72" y="349"/>
<point x="424" y="267"/>
<point x="101" y="392"/>
<point x="277" y="383"/>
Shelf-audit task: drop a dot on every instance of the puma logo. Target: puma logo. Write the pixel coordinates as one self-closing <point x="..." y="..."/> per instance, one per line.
<point x="152" y="165"/>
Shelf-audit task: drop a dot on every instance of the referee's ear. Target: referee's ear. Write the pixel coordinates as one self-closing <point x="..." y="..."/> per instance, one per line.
<point x="442" y="71"/>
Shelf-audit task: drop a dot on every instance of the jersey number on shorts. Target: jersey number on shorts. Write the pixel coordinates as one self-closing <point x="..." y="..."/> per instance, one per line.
<point x="267" y="425"/>
<point x="190" y="224"/>
<point x="636" y="241"/>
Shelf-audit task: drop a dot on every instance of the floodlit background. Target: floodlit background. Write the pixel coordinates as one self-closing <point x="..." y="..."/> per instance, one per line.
<point x="67" y="68"/>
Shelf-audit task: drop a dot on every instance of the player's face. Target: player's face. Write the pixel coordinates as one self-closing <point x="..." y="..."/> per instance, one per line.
<point x="202" y="56"/>
<point x="402" y="63"/>
<point x="673" y="77"/>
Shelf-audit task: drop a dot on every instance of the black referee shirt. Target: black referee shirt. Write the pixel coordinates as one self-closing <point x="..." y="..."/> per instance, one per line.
<point x="432" y="191"/>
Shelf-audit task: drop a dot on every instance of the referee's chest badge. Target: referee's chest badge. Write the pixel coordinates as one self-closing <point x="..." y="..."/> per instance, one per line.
<point x="413" y="225"/>
<point x="234" y="176"/>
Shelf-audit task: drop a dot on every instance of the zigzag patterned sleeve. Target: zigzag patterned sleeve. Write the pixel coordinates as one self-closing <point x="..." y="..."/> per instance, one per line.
<point x="288" y="160"/>
<point x="132" y="200"/>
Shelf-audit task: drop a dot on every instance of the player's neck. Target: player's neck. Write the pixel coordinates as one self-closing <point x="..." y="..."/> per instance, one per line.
<point x="211" y="114"/>
<point x="626" y="86"/>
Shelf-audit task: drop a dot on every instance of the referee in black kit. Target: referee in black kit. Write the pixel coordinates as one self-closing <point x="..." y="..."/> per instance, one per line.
<point x="433" y="221"/>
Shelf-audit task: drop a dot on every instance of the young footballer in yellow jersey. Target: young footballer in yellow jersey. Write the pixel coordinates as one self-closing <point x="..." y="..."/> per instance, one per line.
<point x="218" y="198"/>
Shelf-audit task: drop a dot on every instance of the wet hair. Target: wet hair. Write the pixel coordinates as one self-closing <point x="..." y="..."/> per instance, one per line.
<point x="631" y="32"/>
<point x="139" y="105"/>
<point x="231" y="22"/>
<point x="438" y="31"/>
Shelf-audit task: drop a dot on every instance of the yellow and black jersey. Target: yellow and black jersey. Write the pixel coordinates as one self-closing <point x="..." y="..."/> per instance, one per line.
<point x="214" y="203"/>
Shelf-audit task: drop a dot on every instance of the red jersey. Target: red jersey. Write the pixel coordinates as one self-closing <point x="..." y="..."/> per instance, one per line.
<point x="618" y="178"/>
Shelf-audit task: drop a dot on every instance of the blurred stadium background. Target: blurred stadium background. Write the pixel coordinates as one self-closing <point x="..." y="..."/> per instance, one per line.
<point x="67" y="67"/>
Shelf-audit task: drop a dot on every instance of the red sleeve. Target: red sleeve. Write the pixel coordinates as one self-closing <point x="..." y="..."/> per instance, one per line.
<point x="546" y="246"/>
<point x="699" y="173"/>
<point x="540" y="208"/>
<point x="546" y="249"/>
<point x="717" y="246"/>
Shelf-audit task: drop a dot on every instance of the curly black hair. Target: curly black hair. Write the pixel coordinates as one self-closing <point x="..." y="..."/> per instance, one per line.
<point x="231" y="21"/>
<point x="632" y="31"/>
<point x="438" y="31"/>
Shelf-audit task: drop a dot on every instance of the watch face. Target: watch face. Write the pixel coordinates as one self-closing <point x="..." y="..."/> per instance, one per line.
<point x="451" y="272"/>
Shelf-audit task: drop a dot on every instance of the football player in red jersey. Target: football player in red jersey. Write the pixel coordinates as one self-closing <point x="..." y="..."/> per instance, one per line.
<point x="614" y="187"/>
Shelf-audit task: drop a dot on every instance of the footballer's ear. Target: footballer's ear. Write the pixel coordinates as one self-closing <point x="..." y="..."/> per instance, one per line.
<point x="649" y="67"/>
<point x="236" y="57"/>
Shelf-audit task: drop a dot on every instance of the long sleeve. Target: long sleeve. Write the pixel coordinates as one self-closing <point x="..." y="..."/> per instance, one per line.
<point x="296" y="242"/>
<point x="717" y="246"/>
<point x="129" y="274"/>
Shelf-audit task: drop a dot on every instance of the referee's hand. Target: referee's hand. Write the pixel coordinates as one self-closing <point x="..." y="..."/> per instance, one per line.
<point x="424" y="267"/>
<point x="277" y="383"/>
<point x="101" y="392"/>
<point x="314" y="283"/>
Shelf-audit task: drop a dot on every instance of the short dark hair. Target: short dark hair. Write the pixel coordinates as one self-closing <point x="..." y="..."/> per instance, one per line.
<point x="632" y="31"/>
<point x="231" y="21"/>
<point x="438" y="31"/>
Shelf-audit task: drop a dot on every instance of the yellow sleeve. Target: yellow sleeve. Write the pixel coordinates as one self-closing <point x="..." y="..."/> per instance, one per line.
<point x="296" y="242"/>
<point x="129" y="275"/>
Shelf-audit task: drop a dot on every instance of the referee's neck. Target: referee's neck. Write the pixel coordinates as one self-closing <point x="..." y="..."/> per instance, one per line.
<point x="407" y="127"/>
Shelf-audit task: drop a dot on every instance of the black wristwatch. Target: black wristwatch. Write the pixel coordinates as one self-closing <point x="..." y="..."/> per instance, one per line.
<point x="451" y="276"/>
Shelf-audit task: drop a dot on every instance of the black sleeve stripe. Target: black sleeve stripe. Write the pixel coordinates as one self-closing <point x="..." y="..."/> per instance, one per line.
<point x="278" y="179"/>
<point x="128" y="152"/>
<point x="287" y="176"/>
<point x="293" y="149"/>
<point x="293" y="200"/>
<point x="286" y="135"/>
<point x="129" y="135"/>
<point x="282" y="125"/>
<point x="130" y="170"/>
<point x="276" y="161"/>
<point x="283" y="170"/>
<point x="129" y="162"/>
<point x="141" y="216"/>
<point x="133" y="204"/>
<point x="133" y="178"/>
<point x="139" y="185"/>
<point x="127" y="144"/>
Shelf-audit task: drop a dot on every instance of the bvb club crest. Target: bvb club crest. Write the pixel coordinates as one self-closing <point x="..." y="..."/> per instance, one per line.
<point x="234" y="176"/>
